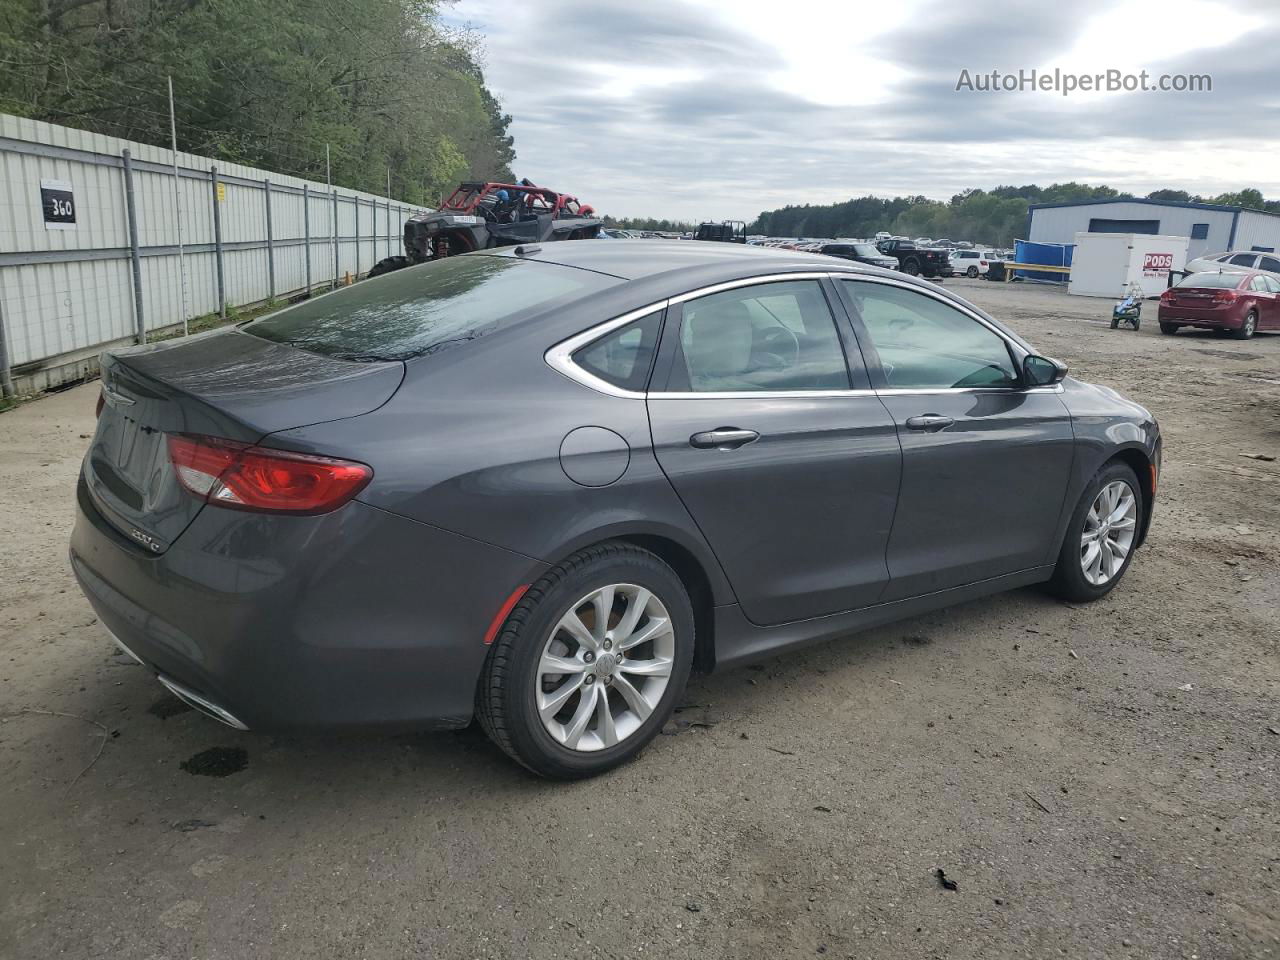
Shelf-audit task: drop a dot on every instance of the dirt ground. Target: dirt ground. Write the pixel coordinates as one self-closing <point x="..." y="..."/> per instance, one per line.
<point x="1100" y="781"/>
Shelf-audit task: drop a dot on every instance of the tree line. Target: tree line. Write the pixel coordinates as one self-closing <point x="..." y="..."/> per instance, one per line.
<point x="384" y="83"/>
<point x="996" y="216"/>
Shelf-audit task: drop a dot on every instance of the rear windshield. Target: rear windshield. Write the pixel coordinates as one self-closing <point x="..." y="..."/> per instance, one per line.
<point x="1228" y="281"/>
<point x="424" y="309"/>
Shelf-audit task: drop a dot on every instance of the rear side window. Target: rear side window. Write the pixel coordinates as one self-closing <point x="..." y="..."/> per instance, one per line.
<point x="427" y="308"/>
<point x="625" y="356"/>
<point x="766" y="337"/>
<point x="1243" y="260"/>
<point x="1269" y="263"/>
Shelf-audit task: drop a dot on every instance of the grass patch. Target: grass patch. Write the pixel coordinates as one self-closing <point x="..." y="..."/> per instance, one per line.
<point x="211" y="321"/>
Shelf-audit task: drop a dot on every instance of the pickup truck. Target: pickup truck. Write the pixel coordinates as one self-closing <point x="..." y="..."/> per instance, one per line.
<point x="915" y="260"/>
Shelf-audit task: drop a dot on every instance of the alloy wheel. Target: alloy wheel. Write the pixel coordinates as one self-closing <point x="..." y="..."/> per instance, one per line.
<point x="605" y="667"/>
<point x="1109" y="529"/>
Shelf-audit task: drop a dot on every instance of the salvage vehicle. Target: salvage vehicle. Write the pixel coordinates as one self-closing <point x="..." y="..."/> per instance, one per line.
<point x="917" y="261"/>
<point x="727" y="231"/>
<point x="1239" y="304"/>
<point x="1236" y="261"/>
<point x="538" y="486"/>
<point x="859" y="253"/>
<point x="482" y="216"/>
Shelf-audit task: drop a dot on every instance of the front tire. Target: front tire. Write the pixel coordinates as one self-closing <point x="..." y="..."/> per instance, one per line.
<point x="1248" y="327"/>
<point x="1101" y="537"/>
<point x="590" y="663"/>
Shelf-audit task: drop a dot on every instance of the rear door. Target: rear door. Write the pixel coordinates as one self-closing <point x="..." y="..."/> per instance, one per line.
<point x="985" y="461"/>
<point x="785" y="459"/>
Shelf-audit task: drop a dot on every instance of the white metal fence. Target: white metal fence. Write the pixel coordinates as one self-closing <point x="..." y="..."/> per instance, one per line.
<point x="75" y="277"/>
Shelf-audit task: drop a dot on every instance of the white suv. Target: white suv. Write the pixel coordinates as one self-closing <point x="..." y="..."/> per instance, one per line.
<point x="971" y="263"/>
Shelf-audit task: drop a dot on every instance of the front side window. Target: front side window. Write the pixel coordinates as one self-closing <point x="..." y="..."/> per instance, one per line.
<point x="925" y="344"/>
<point x="767" y="337"/>
<point x="624" y="356"/>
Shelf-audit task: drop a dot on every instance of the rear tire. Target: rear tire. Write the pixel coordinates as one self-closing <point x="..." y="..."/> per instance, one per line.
<point x="972" y="273"/>
<point x="1168" y="328"/>
<point x="1248" y="327"/>
<point x="516" y="689"/>
<point x="1070" y="580"/>
<point x="386" y="265"/>
<point x="911" y="268"/>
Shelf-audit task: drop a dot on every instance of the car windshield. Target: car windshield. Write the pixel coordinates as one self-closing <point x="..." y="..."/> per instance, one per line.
<point x="865" y="250"/>
<point x="1227" y="281"/>
<point x="426" y="308"/>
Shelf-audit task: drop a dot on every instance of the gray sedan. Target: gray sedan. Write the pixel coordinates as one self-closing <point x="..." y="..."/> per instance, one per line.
<point x="540" y="485"/>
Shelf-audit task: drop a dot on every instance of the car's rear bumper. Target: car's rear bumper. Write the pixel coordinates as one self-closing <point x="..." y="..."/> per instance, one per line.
<point x="355" y="618"/>
<point x="1225" y="319"/>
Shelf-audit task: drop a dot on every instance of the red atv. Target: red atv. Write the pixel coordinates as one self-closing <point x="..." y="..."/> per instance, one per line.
<point x="480" y="216"/>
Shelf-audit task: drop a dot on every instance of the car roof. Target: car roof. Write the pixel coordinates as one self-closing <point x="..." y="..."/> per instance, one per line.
<point x="657" y="269"/>
<point x="704" y="261"/>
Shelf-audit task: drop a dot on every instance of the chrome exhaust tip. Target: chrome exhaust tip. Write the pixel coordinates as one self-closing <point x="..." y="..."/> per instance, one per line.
<point x="207" y="707"/>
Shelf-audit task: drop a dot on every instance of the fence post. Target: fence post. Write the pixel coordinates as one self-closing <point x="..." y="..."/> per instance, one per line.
<point x="389" y="253"/>
<point x="356" y="200"/>
<point x="306" y="229"/>
<point x="6" y="378"/>
<point x="334" y="194"/>
<point x="131" y="206"/>
<point x="217" y="244"/>
<point x="271" y="246"/>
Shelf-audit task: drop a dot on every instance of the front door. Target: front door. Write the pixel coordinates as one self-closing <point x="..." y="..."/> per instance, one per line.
<point x="791" y="474"/>
<point x="985" y="461"/>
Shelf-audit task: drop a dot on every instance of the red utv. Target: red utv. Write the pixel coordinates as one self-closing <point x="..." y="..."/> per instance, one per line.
<point x="480" y="216"/>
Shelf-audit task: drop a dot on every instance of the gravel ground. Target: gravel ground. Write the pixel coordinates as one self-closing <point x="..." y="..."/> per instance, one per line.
<point x="1100" y="781"/>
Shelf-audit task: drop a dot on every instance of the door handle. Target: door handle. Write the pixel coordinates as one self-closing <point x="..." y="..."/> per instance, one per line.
<point x="929" y="422"/>
<point x="723" y="438"/>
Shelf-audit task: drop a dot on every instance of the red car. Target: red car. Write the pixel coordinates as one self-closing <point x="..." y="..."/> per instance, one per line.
<point x="1241" y="303"/>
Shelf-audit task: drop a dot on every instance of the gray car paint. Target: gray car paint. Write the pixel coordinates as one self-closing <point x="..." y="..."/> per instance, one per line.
<point x="375" y="613"/>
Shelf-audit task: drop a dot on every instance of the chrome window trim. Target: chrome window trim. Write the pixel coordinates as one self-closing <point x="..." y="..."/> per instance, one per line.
<point x="560" y="356"/>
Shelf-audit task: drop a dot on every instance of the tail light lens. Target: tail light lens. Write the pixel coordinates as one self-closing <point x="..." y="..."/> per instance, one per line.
<point x="102" y="402"/>
<point x="244" y="477"/>
<point x="1167" y="296"/>
<point x="1225" y="296"/>
<point x="982" y="263"/>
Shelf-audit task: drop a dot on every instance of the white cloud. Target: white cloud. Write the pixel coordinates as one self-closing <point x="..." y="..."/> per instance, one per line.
<point x="713" y="108"/>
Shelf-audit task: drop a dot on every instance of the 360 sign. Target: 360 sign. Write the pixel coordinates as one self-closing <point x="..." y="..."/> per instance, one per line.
<point x="58" y="205"/>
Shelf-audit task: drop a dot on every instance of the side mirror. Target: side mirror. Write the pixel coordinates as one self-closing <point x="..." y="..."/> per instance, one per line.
<point x="1042" y="371"/>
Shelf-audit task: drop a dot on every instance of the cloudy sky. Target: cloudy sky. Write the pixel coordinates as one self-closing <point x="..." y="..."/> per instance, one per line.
<point x="723" y="108"/>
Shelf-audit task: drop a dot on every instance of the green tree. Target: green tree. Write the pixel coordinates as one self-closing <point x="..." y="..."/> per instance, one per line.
<point x="267" y="83"/>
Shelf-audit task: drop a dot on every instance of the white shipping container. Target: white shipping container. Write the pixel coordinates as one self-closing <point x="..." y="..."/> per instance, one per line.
<point x="1105" y="264"/>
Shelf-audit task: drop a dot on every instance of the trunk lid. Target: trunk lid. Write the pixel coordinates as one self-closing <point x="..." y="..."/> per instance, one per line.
<point x="225" y="384"/>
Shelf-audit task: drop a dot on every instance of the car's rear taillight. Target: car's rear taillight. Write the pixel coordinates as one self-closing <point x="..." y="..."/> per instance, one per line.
<point x="1167" y="296"/>
<point x="102" y="402"/>
<point x="982" y="263"/>
<point x="231" y="474"/>
<point x="1225" y="296"/>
